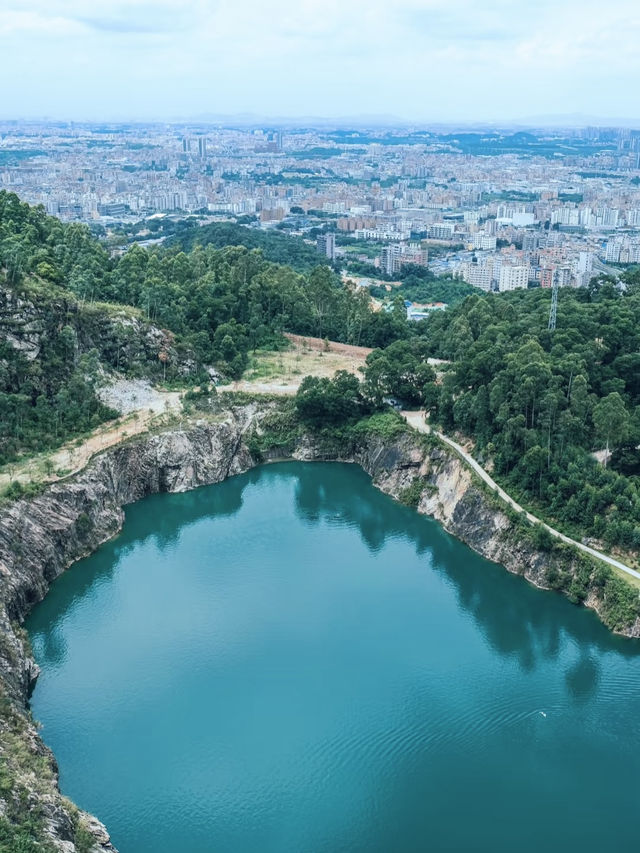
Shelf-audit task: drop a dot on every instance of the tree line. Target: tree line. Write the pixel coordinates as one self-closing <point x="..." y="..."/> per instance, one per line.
<point x="219" y="304"/>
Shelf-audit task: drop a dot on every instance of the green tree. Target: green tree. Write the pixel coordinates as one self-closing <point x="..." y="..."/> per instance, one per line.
<point x="322" y="402"/>
<point x="611" y="420"/>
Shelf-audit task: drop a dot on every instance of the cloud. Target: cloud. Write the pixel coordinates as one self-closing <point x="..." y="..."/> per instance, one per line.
<point x="419" y="58"/>
<point x="111" y="16"/>
<point x="24" y="23"/>
<point x="118" y="25"/>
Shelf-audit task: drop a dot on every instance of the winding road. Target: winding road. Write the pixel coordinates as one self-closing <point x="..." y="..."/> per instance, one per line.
<point x="417" y="421"/>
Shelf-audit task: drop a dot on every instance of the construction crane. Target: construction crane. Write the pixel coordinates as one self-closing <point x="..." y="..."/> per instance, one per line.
<point x="553" y="313"/>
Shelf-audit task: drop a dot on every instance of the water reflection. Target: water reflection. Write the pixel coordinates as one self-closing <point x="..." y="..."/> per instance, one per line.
<point x="163" y="527"/>
<point x="582" y="678"/>
<point x="517" y="621"/>
<point x="328" y="670"/>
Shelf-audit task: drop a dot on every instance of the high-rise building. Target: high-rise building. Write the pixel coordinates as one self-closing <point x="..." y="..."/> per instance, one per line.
<point x="442" y="230"/>
<point x="546" y="277"/>
<point x="562" y="276"/>
<point x="326" y="245"/>
<point x="202" y="146"/>
<point x="479" y="275"/>
<point x="584" y="262"/>
<point x="482" y="272"/>
<point x="482" y="240"/>
<point x="274" y="141"/>
<point x="612" y="251"/>
<point x="530" y="241"/>
<point x="390" y="261"/>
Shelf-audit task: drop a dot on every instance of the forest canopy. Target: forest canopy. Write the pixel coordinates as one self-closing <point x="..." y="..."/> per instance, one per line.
<point x="555" y="414"/>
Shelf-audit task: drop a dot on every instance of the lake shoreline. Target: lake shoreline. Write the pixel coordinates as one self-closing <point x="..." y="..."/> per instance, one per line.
<point x="40" y="537"/>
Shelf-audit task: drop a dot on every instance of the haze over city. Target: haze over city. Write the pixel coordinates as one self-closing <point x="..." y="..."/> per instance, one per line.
<point x="568" y="62"/>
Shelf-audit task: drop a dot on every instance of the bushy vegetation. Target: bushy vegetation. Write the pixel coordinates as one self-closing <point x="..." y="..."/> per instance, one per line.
<point x="538" y="403"/>
<point x="401" y="370"/>
<point x="218" y="305"/>
<point x="322" y="402"/>
<point x="418" y="284"/>
<point x="275" y="246"/>
<point x="412" y="494"/>
<point x="279" y="431"/>
<point x="44" y="402"/>
<point x="223" y="303"/>
<point x="387" y="425"/>
<point x="21" y="821"/>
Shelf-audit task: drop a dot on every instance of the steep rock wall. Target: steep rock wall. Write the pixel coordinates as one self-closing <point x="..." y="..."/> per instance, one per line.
<point x="41" y="537"/>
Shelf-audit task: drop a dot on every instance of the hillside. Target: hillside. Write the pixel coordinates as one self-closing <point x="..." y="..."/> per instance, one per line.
<point x="55" y="352"/>
<point x="275" y="246"/>
<point x="539" y="404"/>
<point x="555" y="415"/>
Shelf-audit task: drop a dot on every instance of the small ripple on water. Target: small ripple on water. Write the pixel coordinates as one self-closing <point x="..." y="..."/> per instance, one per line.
<point x="618" y="686"/>
<point x="368" y="747"/>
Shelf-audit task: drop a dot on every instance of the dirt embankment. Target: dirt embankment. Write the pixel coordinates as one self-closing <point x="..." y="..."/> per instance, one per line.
<point x="322" y="345"/>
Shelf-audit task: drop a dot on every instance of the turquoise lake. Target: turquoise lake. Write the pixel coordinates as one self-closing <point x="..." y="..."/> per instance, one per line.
<point x="291" y="662"/>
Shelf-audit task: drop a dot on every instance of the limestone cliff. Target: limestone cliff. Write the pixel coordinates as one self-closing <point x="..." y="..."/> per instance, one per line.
<point x="39" y="539"/>
<point x="31" y="319"/>
<point x="42" y="536"/>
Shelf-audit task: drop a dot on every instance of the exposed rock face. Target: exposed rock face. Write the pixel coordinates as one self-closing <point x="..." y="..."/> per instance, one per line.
<point x="450" y="494"/>
<point x="452" y="498"/>
<point x="21" y="324"/>
<point x="41" y="537"/>
<point x="124" y="340"/>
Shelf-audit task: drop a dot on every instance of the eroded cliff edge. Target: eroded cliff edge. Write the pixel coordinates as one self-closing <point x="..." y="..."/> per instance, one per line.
<point x="41" y="537"/>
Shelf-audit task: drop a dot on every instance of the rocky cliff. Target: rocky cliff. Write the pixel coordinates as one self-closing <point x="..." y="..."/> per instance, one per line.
<point x="39" y="539"/>
<point x="31" y="319"/>
<point x="426" y="474"/>
<point x="42" y="536"/>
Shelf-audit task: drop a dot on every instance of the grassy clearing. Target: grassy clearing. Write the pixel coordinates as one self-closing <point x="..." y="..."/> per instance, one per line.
<point x="291" y="365"/>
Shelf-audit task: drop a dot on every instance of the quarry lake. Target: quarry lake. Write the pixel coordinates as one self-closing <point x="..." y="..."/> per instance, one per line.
<point x="290" y="662"/>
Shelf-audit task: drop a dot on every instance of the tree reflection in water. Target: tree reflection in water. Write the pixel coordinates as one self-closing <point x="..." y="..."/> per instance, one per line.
<point x="517" y="620"/>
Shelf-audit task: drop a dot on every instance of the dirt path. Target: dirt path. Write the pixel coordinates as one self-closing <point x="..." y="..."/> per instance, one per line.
<point x="253" y="386"/>
<point x="73" y="457"/>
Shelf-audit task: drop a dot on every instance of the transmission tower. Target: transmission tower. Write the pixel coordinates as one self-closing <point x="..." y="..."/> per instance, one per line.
<point x="554" y="305"/>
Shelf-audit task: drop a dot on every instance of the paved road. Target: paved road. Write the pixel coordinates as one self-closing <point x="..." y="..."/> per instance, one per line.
<point x="417" y="421"/>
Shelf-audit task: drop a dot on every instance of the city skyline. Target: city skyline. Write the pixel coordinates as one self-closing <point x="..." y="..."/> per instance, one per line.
<point x="415" y="60"/>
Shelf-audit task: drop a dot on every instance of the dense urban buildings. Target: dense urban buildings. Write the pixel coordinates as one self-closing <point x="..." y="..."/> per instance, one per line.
<point x="499" y="210"/>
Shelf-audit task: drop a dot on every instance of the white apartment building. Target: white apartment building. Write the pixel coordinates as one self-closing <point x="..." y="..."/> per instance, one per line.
<point x="483" y="273"/>
<point x="607" y="217"/>
<point x="442" y="230"/>
<point x="611" y="252"/>
<point x="513" y="277"/>
<point x="562" y="276"/>
<point x="583" y="262"/>
<point x="393" y="257"/>
<point x="390" y="259"/>
<point x="566" y="216"/>
<point x="630" y="253"/>
<point x="479" y="276"/>
<point x="483" y="241"/>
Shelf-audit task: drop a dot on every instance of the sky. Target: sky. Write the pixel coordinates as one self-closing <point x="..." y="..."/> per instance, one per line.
<point x="419" y="60"/>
